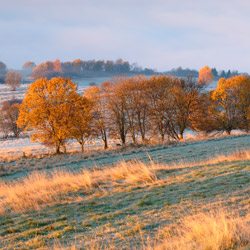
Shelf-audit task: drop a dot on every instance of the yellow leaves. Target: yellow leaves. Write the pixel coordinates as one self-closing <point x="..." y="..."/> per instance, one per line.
<point x="230" y="88"/>
<point x="47" y="109"/>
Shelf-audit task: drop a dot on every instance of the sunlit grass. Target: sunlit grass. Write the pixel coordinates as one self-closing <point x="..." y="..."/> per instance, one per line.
<point x="132" y="205"/>
<point x="214" y="230"/>
<point x="40" y="188"/>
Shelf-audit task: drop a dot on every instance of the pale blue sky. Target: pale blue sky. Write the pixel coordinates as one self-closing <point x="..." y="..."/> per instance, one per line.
<point x="157" y="34"/>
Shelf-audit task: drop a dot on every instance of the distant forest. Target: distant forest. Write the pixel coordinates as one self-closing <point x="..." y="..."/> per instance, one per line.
<point x="180" y="72"/>
<point x="99" y="68"/>
<point x="91" y="68"/>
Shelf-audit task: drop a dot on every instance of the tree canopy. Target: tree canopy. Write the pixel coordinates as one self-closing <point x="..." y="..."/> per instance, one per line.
<point x="205" y="75"/>
<point x="47" y="110"/>
<point x="13" y="79"/>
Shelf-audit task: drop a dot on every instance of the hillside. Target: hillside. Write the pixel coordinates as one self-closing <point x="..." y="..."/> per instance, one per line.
<point x="12" y="167"/>
<point x="183" y="195"/>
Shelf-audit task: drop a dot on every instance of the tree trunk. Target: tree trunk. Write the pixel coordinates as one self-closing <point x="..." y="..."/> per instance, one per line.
<point x="133" y="139"/>
<point x="162" y="137"/>
<point x="123" y="138"/>
<point x="228" y="132"/>
<point x="181" y="136"/>
<point x="105" y="140"/>
<point x="82" y="147"/>
<point x="57" y="148"/>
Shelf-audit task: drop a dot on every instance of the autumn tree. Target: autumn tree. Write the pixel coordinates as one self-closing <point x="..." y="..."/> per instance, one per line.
<point x="47" y="110"/>
<point x="115" y="98"/>
<point x="206" y="117"/>
<point x="100" y="121"/>
<point x="29" y="65"/>
<point x="242" y="88"/>
<point x="81" y="118"/>
<point x="48" y="69"/>
<point x="9" y="113"/>
<point x="40" y="71"/>
<point x="226" y="101"/>
<point x="57" y="66"/>
<point x="77" y="64"/>
<point x="186" y="101"/>
<point x="13" y="79"/>
<point x="138" y="104"/>
<point x="205" y="76"/>
<point x="232" y="97"/>
<point x="160" y="99"/>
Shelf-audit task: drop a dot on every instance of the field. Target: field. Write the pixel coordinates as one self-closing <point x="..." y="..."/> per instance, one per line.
<point x="190" y="195"/>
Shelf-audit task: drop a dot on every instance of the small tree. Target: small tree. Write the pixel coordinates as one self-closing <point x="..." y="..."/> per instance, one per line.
<point x="29" y="66"/>
<point x="9" y="113"/>
<point x="115" y="98"/>
<point x="186" y="103"/>
<point x="80" y="128"/>
<point x="99" y="113"/>
<point x="205" y="76"/>
<point x="47" y="110"/>
<point x="13" y="79"/>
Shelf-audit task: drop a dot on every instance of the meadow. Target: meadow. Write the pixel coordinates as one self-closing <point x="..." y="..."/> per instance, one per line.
<point x="188" y="196"/>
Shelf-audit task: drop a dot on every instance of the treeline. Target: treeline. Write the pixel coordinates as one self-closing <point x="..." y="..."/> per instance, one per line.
<point x="77" y="68"/>
<point x="131" y="109"/>
<point x="180" y="72"/>
<point x="80" y="68"/>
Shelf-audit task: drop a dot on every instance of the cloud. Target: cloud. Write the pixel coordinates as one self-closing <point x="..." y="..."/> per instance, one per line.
<point x="160" y="34"/>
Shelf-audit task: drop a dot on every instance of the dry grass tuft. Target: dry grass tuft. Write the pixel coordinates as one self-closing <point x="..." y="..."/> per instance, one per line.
<point x="39" y="189"/>
<point x="132" y="172"/>
<point x="215" y="230"/>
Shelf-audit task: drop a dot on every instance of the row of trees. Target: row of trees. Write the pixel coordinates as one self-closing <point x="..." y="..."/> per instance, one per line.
<point x="133" y="109"/>
<point x="139" y="107"/>
<point x="127" y="107"/>
<point x="180" y="72"/>
<point x="80" y="68"/>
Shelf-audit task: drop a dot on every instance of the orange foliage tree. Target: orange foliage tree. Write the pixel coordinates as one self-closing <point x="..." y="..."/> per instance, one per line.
<point x="81" y="118"/>
<point x="29" y="65"/>
<point x="232" y="98"/>
<point x="205" y="75"/>
<point x="47" y="110"/>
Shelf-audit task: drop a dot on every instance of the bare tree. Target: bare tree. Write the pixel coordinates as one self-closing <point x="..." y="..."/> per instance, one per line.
<point x="99" y="113"/>
<point x="115" y="98"/>
<point x="13" y="79"/>
<point x="9" y="114"/>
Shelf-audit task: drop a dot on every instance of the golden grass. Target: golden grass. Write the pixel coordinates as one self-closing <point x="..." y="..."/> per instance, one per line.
<point x="216" y="230"/>
<point x="40" y="188"/>
<point x="233" y="156"/>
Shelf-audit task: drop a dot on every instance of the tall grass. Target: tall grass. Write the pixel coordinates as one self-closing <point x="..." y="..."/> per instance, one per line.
<point x="216" y="230"/>
<point x="39" y="189"/>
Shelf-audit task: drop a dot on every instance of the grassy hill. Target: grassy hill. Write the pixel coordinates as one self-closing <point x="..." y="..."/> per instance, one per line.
<point x="200" y="204"/>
